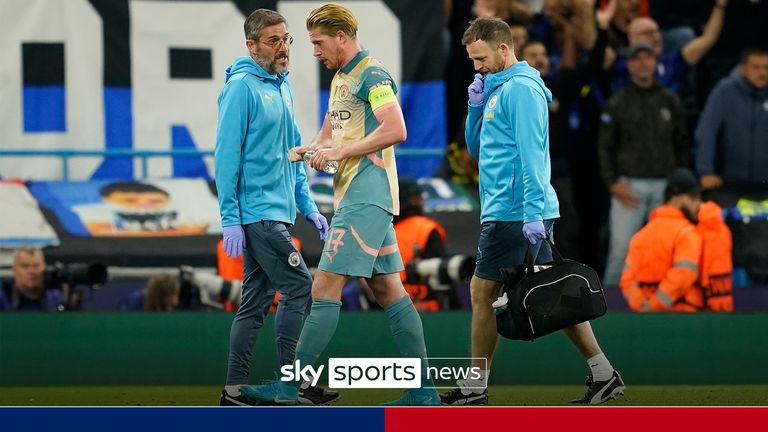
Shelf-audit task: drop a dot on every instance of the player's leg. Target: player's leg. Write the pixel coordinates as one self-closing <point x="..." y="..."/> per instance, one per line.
<point x="501" y="244"/>
<point x="604" y="382"/>
<point x="257" y="296"/>
<point x="289" y="275"/>
<point x="321" y="323"/>
<point x="407" y="331"/>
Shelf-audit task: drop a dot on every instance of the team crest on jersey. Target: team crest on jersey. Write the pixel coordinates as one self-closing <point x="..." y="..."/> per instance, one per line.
<point x="492" y="102"/>
<point x="343" y="92"/>
<point x="294" y="260"/>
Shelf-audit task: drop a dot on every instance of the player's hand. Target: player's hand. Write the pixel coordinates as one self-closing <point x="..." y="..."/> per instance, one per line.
<point x="534" y="231"/>
<point x="711" y="181"/>
<point x="321" y="223"/>
<point x="295" y="154"/>
<point x="620" y="190"/>
<point x="234" y="240"/>
<point x="476" y="91"/>
<point x="323" y="156"/>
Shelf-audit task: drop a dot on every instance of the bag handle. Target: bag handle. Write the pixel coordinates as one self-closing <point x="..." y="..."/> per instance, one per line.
<point x="528" y="260"/>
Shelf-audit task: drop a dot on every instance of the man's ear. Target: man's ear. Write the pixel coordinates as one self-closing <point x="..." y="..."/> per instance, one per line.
<point x="504" y="49"/>
<point x="251" y="45"/>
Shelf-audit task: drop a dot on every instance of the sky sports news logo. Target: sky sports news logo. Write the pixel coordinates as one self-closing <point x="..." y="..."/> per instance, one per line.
<point x="386" y="372"/>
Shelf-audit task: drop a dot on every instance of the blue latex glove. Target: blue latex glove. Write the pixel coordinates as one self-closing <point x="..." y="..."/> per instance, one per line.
<point x="534" y="231"/>
<point x="320" y="223"/>
<point x="476" y="91"/>
<point x="234" y="240"/>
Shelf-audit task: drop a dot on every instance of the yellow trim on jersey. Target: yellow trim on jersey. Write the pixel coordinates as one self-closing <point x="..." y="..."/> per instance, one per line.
<point x="381" y="95"/>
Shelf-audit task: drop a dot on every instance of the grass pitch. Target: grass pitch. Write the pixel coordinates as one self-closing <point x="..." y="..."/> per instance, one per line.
<point x="499" y="395"/>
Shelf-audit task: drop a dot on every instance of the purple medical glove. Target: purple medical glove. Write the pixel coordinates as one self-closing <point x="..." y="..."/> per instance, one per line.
<point x="476" y="91"/>
<point x="234" y="240"/>
<point x="320" y="223"/>
<point x="534" y="231"/>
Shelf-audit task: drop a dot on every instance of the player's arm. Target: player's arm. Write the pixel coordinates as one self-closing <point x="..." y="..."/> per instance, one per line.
<point x="390" y="131"/>
<point x="234" y="115"/>
<point x="472" y="129"/>
<point x="529" y="123"/>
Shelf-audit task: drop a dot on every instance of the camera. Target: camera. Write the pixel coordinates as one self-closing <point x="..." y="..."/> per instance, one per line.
<point x="441" y="273"/>
<point x="92" y="275"/>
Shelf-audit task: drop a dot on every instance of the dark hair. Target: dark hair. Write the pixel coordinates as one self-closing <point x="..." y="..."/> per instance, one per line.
<point x="746" y="53"/>
<point x="129" y="187"/>
<point x="493" y="31"/>
<point x="259" y="19"/>
<point x="681" y="181"/>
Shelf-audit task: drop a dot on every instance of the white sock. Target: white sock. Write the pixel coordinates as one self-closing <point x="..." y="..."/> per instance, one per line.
<point x="305" y="385"/>
<point x="232" y="390"/>
<point x="601" y="367"/>
<point x="471" y="385"/>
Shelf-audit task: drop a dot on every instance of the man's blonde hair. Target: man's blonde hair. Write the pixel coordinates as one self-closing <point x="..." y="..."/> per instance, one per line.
<point x="331" y="18"/>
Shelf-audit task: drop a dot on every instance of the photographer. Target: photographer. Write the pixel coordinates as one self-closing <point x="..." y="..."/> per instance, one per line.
<point x="28" y="290"/>
<point x="418" y="237"/>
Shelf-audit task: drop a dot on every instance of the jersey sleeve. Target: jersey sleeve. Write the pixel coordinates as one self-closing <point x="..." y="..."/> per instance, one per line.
<point x="377" y="86"/>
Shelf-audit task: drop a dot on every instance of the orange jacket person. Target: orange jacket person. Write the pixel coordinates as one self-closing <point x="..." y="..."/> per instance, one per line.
<point x="716" y="264"/>
<point x="417" y="237"/>
<point x="662" y="265"/>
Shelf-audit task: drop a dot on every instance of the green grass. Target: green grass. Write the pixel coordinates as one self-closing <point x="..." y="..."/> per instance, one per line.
<point x="500" y="395"/>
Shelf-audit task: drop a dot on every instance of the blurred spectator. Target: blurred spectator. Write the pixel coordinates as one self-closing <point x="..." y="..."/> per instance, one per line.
<point x="642" y="139"/>
<point x="679" y="20"/>
<point x="716" y="263"/>
<point x="744" y="27"/>
<point x="562" y="23"/>
<point x="663" y="260"/>
<point x="566" y="86"/>
<point x="672" y="69"/>
<point x="519" y="36"/>
<point x="733" y="129"/>
<point x="162" y="293"/>
<point x="28" y="290"/>
<point x="419" y="237"/>
<point x="626" y="11"/>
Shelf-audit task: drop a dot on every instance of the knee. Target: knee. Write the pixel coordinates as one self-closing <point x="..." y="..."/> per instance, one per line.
<point x="481" y="296"/>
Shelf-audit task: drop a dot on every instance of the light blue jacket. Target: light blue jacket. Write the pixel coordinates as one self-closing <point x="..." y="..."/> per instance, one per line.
<point x="254" y="178"/>
<point x="510" y="134"/>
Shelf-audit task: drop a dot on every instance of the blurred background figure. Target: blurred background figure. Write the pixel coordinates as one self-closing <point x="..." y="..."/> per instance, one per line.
<point x="419" y="237"/>
<point x="643" y="137"/>
<point x="681" y="260"/>
<point x="732" y="134"/>
<point x="162" y="293"/>
<point x="662" y="264"/>
<point x="29" y="290"/>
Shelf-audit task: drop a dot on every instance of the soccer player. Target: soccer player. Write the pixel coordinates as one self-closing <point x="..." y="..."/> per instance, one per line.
<point x="507" y="127"/>
<point x="363" y="123"/>
<point x="259" y="191"/>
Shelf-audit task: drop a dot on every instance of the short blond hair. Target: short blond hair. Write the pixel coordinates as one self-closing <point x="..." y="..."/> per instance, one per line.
<point x="331" y="18"/>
